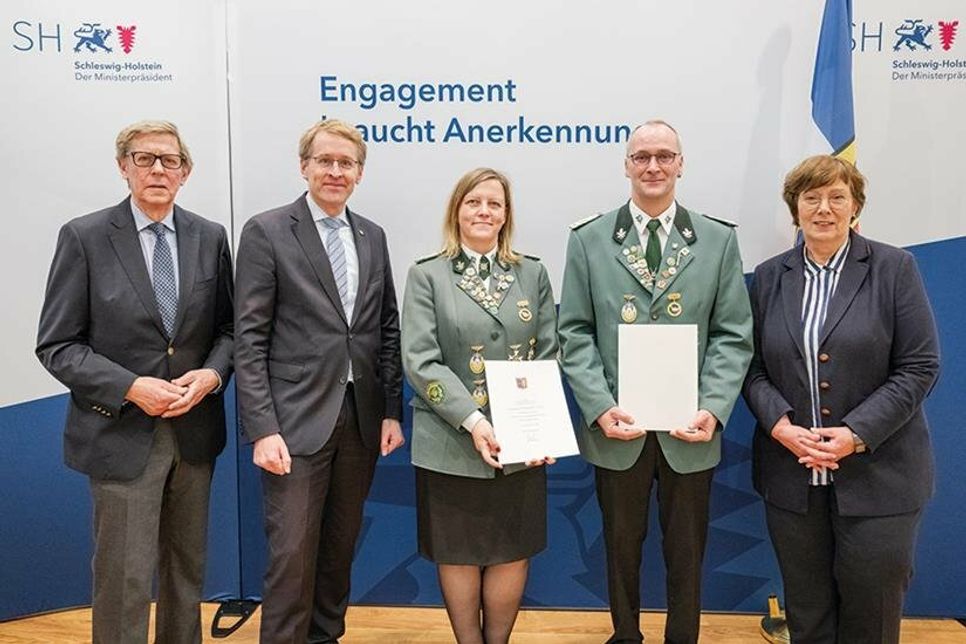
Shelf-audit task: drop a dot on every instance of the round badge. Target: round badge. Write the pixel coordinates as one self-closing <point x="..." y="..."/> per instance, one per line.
<point x="628" y="312"/>
<point x="477" y="365"/>
<point x="435" y="392"/>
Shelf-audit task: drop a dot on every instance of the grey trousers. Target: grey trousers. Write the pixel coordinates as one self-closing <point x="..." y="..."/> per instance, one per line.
<point x="845" y="577"/>
<point x="157" y="521"/>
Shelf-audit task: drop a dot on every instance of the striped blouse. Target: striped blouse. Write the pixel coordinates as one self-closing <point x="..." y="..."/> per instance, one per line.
<point x="820" y="284"/>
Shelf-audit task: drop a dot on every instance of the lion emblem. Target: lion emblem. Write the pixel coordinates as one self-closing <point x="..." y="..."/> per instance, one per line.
<point x="91" y="35"/>
<point x="911" y="33"/>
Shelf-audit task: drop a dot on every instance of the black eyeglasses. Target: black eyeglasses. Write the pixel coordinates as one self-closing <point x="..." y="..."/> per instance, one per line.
<point x="644" y="159"/>
<point x="147" y="160"/>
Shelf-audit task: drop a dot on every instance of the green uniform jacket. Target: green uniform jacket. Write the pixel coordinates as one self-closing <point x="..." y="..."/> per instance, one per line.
<point x="606" y="283"/>
<point x="449" y="322"/>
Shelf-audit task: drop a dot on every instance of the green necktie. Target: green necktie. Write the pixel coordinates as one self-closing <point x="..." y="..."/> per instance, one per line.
<point x="653" y="252"/>
<point x="485" y="267"/>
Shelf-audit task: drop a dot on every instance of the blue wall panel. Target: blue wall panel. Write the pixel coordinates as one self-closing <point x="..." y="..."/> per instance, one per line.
<point x="45" y="508"/>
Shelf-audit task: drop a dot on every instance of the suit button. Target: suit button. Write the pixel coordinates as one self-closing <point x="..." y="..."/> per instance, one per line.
<point x="824" y="385"/>
<point x="495" y="335"/>
<point x="823" y="357"/>
<point x="826" y="412"/>
<point x="170" y="351"/>
<point x="654" y="316"/>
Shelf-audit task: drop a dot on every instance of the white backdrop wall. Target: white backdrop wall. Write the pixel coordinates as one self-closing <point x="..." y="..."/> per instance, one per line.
<point x="243" y="79"/>
<point x="61" y="112"/>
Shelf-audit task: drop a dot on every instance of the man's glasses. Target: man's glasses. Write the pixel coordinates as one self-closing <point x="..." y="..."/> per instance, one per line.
<point x="643" y="159"/>
<point x="147" y="160"/>
<point x="344" y="164"/>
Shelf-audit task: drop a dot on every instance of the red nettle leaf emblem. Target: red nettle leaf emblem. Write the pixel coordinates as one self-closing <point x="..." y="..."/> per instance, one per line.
<point x="947" y="33"/>
<point x="126" y="35"/>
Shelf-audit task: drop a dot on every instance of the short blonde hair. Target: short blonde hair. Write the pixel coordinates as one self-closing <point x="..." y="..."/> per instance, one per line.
<point x="451" y="224"/>
<point x="122" y="145"/>
<point x="822" y="170"/>
<point x="337" y="128"/>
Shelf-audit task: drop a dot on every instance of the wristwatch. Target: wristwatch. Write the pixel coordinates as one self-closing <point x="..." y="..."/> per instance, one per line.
<point x="859" y="443"/>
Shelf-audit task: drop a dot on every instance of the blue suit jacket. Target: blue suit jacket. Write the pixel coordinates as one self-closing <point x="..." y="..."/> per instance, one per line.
<point x="881" y="359"/>
<point x="100" y="329"/>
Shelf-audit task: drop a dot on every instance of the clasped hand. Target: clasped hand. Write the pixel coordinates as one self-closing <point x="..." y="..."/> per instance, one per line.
<point x="815" y="447"/>
<point x="157" y="397"/>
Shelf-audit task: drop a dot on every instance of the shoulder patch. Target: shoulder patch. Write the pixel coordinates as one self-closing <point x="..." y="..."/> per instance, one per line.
<point x="720" y="220"/>
<point x="584" y="221"/>
<point x="425" y="259"/>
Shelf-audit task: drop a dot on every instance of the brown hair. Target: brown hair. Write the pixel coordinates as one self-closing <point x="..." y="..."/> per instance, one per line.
<point x="451" y="224"/>
<point x="122" y="144"/>
<point x="822" y="170"/>
<point x="337" y="128"/>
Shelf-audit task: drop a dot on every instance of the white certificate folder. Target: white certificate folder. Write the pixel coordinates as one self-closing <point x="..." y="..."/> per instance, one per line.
<point x="530" y="416"/>
<point x="658" y="374"/>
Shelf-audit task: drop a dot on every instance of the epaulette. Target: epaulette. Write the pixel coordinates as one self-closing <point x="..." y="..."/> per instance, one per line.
<point x="533" y="257"/>
<point x="720" y="220"/>
<point x="422" y="260"/>
<point x="584" y="221"/>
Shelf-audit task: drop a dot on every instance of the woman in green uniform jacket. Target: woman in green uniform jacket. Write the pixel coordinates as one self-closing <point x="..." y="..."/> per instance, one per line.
<point x="479" y="520"/>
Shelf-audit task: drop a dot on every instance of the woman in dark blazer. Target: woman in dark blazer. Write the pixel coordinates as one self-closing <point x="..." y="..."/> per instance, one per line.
<point x="845" y="353"/>
<point x="477" y="300"/>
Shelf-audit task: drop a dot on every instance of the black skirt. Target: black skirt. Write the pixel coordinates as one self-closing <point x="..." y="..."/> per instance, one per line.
<point x="481" y="522"/>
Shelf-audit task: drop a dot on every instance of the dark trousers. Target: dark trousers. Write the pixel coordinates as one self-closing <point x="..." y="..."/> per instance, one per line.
<point x="157" y="521"/>
<point x="312" y="520"/>
<point x="683" y="511"/>
<point x="845" y="577"/>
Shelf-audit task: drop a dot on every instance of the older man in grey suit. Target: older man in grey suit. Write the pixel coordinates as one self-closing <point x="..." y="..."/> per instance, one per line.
<point x="319" y="381"/>
<point x="137" y="323"/>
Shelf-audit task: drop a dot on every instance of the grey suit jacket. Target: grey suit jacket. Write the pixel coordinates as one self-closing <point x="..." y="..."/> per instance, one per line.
<point x="100" y="329"/>
<point x="449" y="331"/>
<point x="878" y="360"/>
<point x="293" y="342"/>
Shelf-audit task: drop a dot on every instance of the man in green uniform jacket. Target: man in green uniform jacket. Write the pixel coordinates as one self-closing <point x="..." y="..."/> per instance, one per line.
<point x="651" y="261"/>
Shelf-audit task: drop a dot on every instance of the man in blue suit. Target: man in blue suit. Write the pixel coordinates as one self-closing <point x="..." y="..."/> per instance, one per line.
<point x="137" y="324"/>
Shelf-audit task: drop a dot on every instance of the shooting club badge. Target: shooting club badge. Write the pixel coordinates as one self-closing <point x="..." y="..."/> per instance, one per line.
<point x="674" y="308"/>
<point x="629" y="310"/>
<point x="477" y="366"/>
<point x="525" y="314"/>
<point x="479" y="393"/>
<point x="435" y="392"/>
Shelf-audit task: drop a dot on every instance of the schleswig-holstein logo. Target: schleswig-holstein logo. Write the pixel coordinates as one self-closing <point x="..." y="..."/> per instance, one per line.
<point x="947" y="33"/>
<point x="93" y="37"/>
<point x="913" y="34"/>
<point x="102" y="51"/>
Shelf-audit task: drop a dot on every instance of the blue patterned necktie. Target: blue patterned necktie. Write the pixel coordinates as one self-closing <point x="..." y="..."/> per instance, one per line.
<point x="165" y="288"/>
<point x="335" y="248"/>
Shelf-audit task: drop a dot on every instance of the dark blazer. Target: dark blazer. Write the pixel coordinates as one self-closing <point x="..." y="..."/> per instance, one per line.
<point x="100" y="329"/>
<point x="878" y="360"/>
<point x="294" y="343"/>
